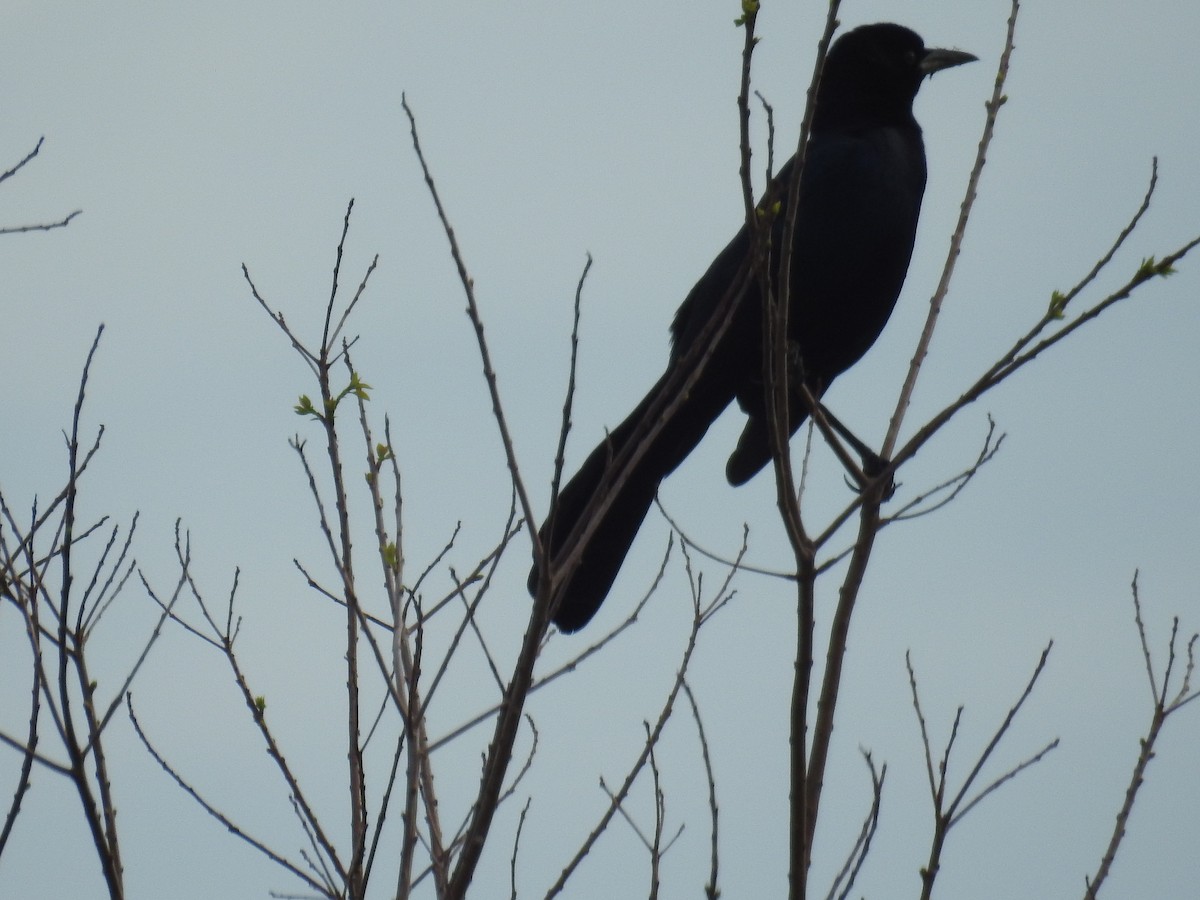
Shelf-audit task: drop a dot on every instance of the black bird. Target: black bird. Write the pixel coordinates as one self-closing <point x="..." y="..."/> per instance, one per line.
<point x="860" y="196"/>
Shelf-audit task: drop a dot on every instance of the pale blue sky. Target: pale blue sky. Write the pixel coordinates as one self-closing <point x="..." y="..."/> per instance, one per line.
<point x="199" y="137"/>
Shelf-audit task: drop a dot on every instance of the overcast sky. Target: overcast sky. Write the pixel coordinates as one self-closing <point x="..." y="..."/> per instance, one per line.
<point x="196" y="137"/>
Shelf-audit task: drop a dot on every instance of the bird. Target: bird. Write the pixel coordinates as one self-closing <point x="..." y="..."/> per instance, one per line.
<point x="859" y="201"/>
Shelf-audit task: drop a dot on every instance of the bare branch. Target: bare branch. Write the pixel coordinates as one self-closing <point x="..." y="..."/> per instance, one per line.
<point x="4" y="176"/>
<point x="618" y="796"/>
<point x="711" y="889"/>
<point x="46" y="226"/>
<point x="862" y="846"/>
<point x="327" y="889"/>
<point x="571" y="665"/>
<point x="992" y="107"/>
<point x="539" y="552"/>
<point x="1160" y="711"/>
<point x="999" y="734"/>
<point x="946" y="816"/>
<point x="512" y="867"/>
<point x="18" y="229"/>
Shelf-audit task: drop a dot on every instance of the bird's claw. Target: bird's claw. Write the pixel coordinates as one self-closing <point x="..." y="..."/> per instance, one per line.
<point x="873" y="466"/>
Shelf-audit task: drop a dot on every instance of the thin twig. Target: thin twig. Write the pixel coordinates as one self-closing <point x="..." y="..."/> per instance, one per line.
<point x="947" y="815"/>
<point x="1161" y="709"/>
<point x="327" y="889"/>
<point x="992" y="107"/>
<point x="711" y="889"/>
<point x="862" y="846"/>
<point x="618" y="796"/>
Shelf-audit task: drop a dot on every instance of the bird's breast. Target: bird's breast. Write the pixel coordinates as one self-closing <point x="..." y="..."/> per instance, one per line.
<point x="859" y="205"/>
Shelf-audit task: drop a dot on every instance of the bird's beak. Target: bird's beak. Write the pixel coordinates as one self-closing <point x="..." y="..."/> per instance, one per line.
<point x="935" y="60"/>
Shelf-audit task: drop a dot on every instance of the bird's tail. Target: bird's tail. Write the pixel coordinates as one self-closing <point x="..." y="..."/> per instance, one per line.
<point x="585" y="590"/>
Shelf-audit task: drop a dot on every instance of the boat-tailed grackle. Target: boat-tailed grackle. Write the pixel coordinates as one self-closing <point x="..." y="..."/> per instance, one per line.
<point x="860" y="197"/>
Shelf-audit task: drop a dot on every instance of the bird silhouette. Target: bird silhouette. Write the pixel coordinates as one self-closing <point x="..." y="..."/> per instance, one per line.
<point x="859" y="201"/>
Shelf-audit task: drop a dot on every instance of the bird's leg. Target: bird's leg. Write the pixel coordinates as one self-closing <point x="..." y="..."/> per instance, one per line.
<point x="873" y="464"/>
<point x="832" y="428"/>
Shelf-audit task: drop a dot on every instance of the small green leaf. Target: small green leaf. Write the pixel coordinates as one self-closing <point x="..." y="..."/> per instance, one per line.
<point x="260" y="703"/>
<point x="749" y="10"/>
<point x="358" y="387"/>
<point x="1058" y="303"/>
<point x="1151" y="268"/>
<point x="391" y="556"/>
<point x="305" y="407"/>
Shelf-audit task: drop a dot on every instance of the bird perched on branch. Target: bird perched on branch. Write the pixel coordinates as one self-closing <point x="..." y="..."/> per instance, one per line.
<point x="860" y="197"/>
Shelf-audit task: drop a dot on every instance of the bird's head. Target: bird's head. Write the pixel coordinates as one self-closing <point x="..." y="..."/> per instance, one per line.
<point x="875" y="70"/>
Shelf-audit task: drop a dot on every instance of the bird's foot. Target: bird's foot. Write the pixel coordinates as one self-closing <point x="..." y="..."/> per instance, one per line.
<point x="873" y="466"/>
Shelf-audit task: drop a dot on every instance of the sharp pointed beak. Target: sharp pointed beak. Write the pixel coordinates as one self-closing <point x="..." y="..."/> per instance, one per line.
<point x="935" y="60"/>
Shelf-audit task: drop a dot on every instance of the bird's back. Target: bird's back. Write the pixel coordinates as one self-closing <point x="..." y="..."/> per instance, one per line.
<point x="860" y="198"/>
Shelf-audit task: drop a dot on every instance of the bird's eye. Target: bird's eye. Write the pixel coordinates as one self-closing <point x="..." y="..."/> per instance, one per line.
<point x="911" y="57"/>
